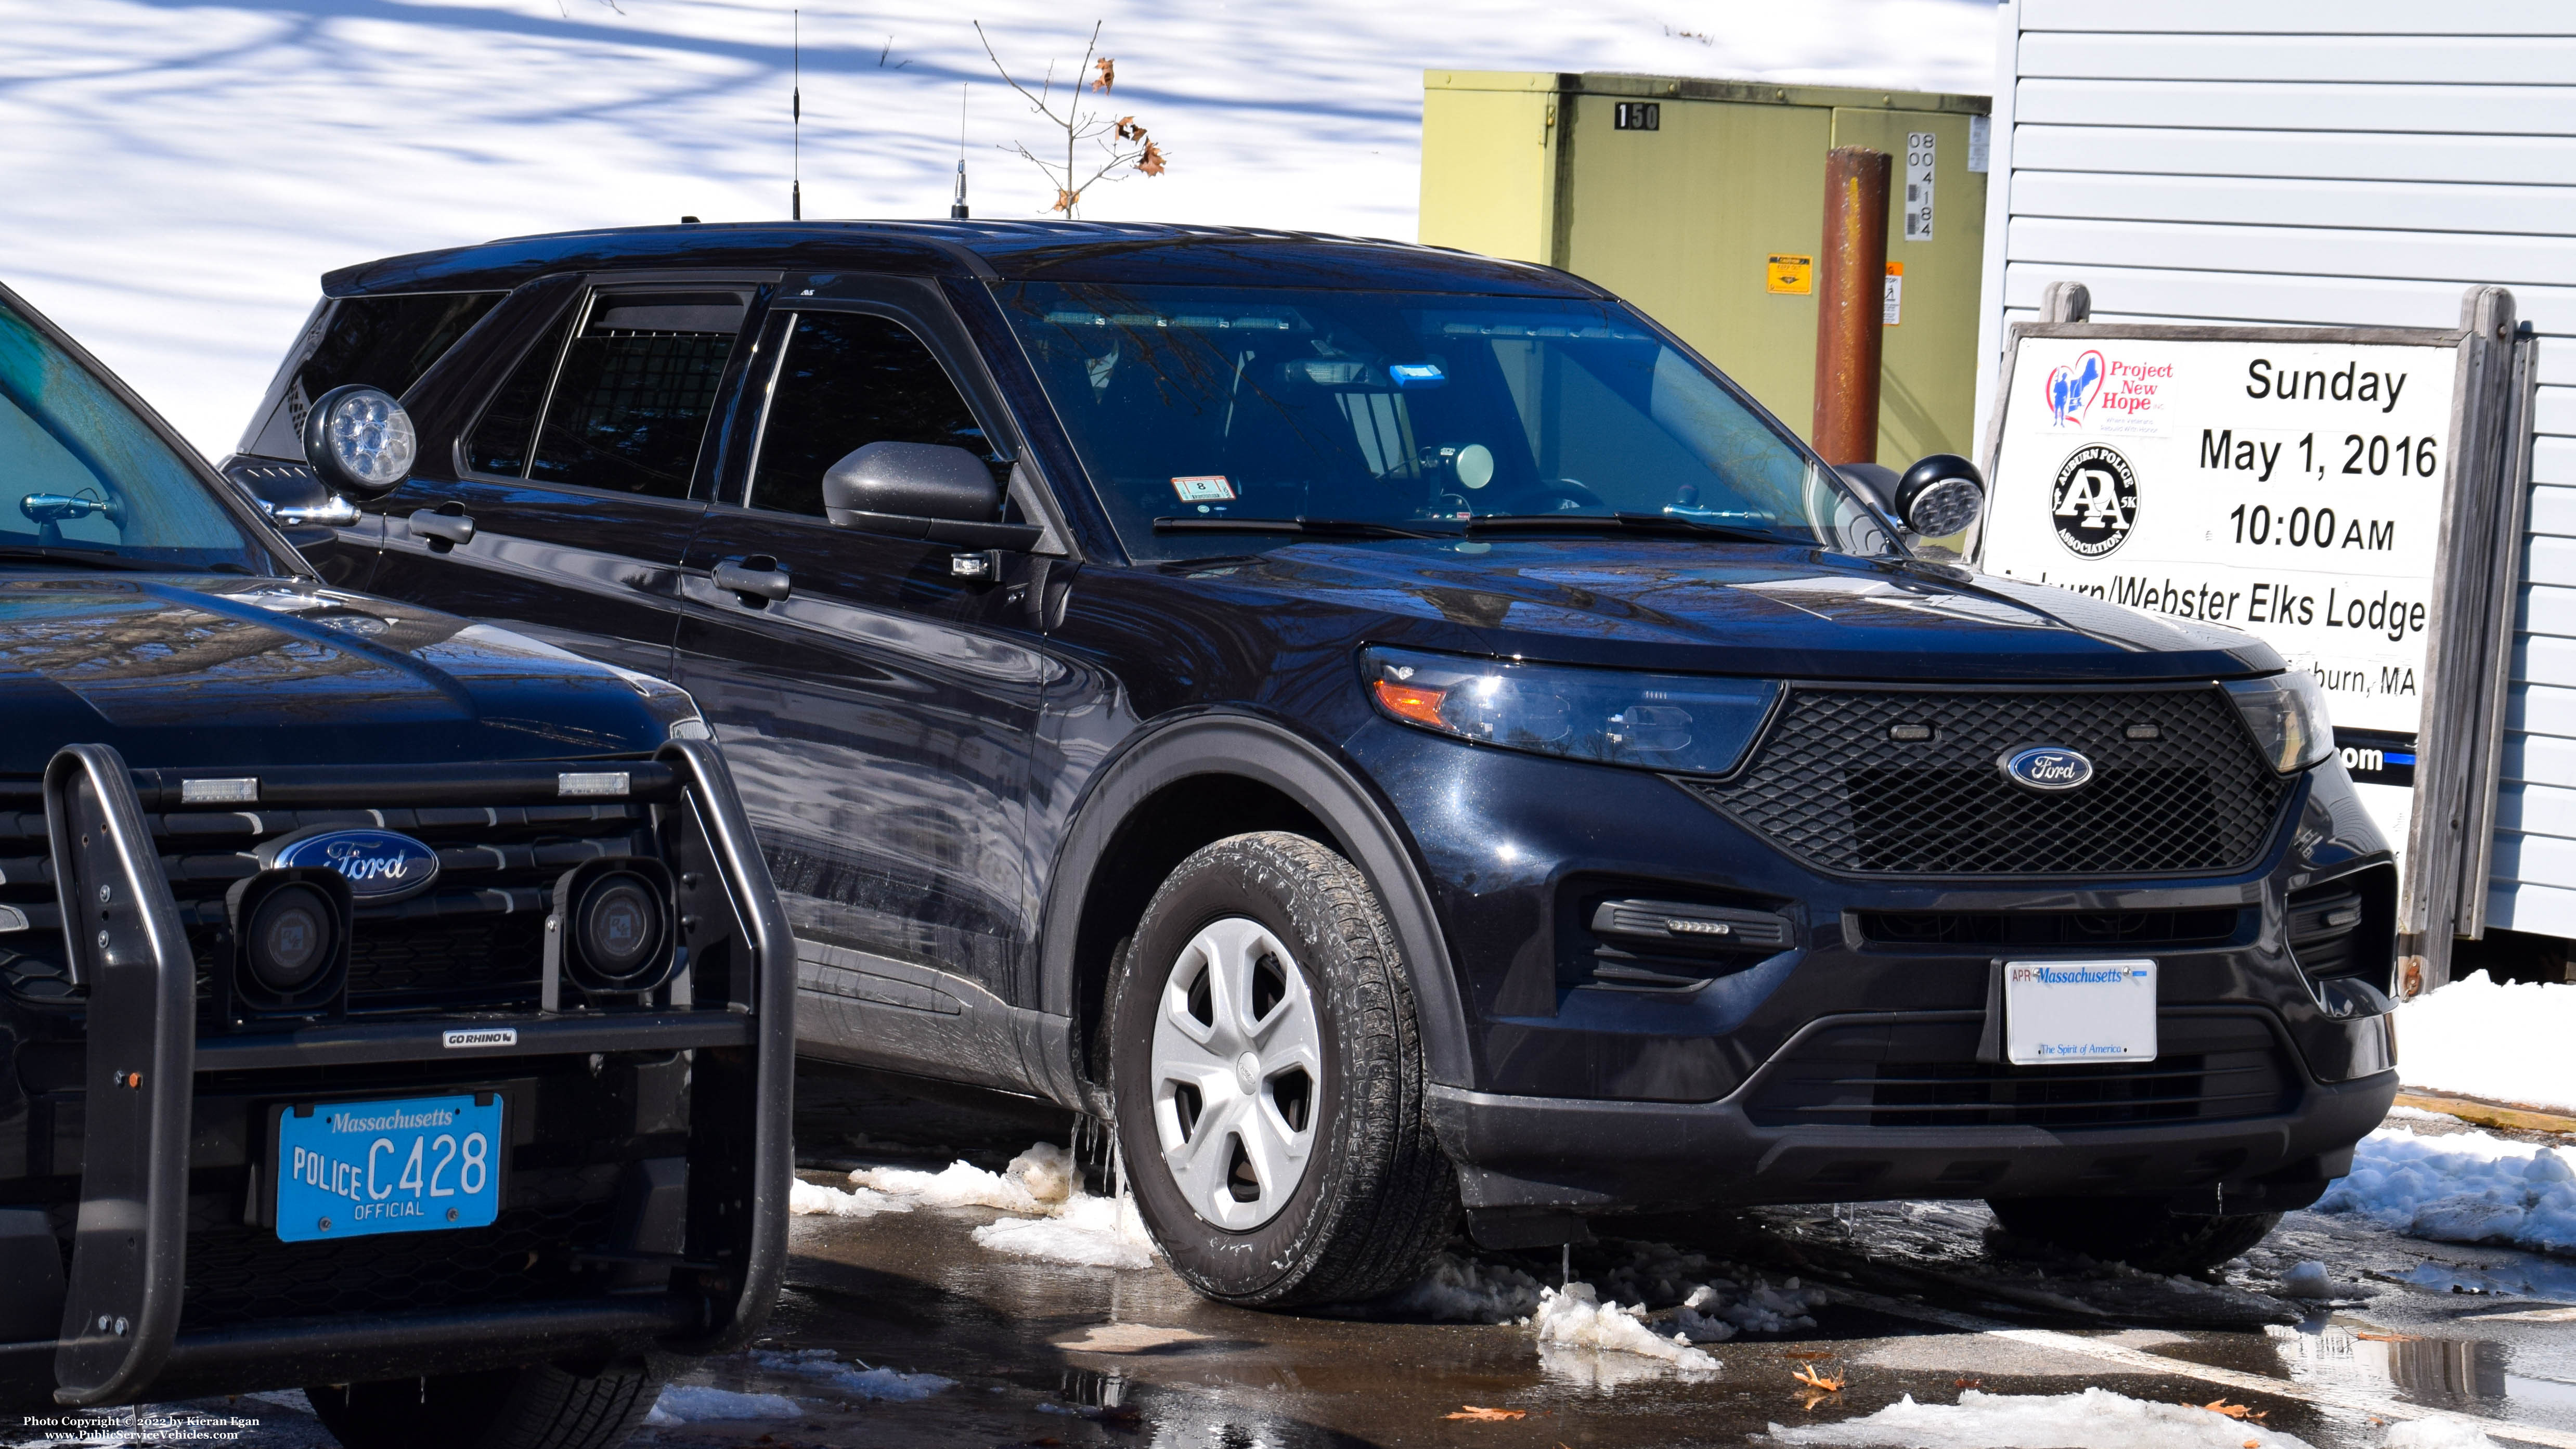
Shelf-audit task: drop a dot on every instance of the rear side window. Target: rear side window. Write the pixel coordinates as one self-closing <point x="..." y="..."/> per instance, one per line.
<point x="385" y="342"/>
<point x="619" y="403"/>
<point x="849" y="379"/>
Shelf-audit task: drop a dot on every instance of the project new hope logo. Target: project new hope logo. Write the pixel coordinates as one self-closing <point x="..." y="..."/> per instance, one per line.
<point x="2123" y="390"/>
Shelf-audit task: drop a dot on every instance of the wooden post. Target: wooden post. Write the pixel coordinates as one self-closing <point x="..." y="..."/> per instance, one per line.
<point x="1851" y="305"/>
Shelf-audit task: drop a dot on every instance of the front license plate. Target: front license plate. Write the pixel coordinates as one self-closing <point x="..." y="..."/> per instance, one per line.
<point x="415" y="1165"/>
<point x="2061" y="1012"/>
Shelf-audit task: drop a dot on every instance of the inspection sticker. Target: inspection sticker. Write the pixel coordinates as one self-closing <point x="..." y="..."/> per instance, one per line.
<point x="1789" y="276"/>
<point x="1207" y="488"/>
<point x="2063" y="1012"/>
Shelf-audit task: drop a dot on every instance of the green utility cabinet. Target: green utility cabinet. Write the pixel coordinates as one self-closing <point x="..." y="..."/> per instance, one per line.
<point x="1695" y="199"/>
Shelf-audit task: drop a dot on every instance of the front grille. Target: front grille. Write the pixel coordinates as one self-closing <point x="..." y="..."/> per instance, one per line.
<point x="1925" y="1074"/>
<point x="2213" y="926"/>
<point x="2177" y="786"/>
<point x="474" y="941"/>
<point x="240" y="1273"/>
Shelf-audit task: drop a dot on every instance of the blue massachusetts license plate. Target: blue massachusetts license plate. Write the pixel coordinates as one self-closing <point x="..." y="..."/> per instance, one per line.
<point x="421" y="1164"/>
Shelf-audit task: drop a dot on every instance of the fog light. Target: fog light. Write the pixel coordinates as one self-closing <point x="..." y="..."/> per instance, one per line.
<point x="291" y="940"/>
<point x="288" y="940"/>
<point x="613" y="920"/>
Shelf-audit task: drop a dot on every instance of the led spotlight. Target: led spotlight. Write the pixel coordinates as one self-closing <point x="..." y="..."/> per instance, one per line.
<point x="612" y="926"/>
<point x="290" y="931"/>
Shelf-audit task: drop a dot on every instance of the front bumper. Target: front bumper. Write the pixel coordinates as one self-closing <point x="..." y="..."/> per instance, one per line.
<point x="1585" y="1099"/>
<point x="687" y="1253"/>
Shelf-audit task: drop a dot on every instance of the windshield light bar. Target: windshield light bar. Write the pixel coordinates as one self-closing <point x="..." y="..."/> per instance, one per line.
<point x="593" y="784"/>
<point x="235" y="790"/>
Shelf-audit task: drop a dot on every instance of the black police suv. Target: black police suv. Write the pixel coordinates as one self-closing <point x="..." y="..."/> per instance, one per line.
<point x="390" y="1004"/>
<point x="1395" y="730"/>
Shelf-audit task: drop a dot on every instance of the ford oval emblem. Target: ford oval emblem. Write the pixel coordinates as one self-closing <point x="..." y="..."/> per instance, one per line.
<point x="380" y="865"/>
<point x="2047" y="767"/>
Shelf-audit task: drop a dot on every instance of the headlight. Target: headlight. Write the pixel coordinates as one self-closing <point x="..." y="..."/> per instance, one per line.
<point x="1689" y="722"/>
<point x="2287" y="713"/>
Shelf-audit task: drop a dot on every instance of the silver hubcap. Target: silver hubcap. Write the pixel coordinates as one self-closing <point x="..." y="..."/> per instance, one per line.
<point x="1238" y="1068"/>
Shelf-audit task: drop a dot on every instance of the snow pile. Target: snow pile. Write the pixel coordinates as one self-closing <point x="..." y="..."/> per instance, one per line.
<point x="1714" y="1307"/>
<point x="700" y="1404"/>
<point x="2095" y="1418"/>
<point x="1086" y="1231"/>
<point x="812" y="1199"/>
<point x="858" y="1383"/>
<point x="1036" y="1181"/>
<point x="2307" y="1280"/>
<point x="1061" y="1224"/>
<point x="1576" y="1319"/>
<point x="2438" y="1434"/>
<point x="2462" y="1187"/>
<point x="1466" y="1290"/>
<point x="2483" y="1038"/>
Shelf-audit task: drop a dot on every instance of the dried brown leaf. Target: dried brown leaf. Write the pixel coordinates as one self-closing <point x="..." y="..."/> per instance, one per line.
<point x="1967" y="1383"/>
<point x="1108" y="69"/>
<point x="2235" y="1411"/>
<point x="1064" y="200"/>
<point x="1152" y="162"/>
<point x="1128" y="130"/>
<point x="1822" y="1382"/>
<point x="1487" y="1416"/>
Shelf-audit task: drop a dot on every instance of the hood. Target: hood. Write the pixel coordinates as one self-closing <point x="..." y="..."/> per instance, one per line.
<point x="1734" y="609"/>
<point x="222" y="671"/>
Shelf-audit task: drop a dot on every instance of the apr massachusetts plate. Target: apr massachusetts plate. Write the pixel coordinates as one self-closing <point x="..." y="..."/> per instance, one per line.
<point x="420" y="1164"/>
<point x="2057" y="1013"/>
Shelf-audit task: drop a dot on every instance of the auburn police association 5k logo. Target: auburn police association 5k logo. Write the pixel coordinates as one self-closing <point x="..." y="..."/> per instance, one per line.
<point x="2095" y="501"/>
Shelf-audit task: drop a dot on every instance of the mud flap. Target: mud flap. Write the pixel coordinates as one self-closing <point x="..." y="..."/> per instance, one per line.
<point x="121" y="1313"/>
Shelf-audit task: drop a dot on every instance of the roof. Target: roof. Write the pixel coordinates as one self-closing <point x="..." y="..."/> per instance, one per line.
<point x="1067" y="251"/>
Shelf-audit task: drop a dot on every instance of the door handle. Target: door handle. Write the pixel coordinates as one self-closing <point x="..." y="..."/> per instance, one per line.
<point x="756" y="580"/>
<point x="444" y="527"/>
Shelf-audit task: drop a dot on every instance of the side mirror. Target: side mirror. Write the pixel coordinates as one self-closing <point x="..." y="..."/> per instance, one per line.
<point x="921" y="490"/>
<point x="360" y="440"/>
<point x="1940" y="495"/>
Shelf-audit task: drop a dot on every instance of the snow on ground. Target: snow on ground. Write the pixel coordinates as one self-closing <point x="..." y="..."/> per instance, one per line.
<point x="862" y="1382"/>
<point x="1062" y="1224"/>
<point x="2461" y="1187"/>
<point x="2506" y="1042"/>
<point x="701" y="1404"/>
<point x="1469" y="1290"/>
<point x="2095" y="1418"/>
<point x="1576" y="1321"/>
<point x="813" y="1199"/>
<point x="180" y="172"/>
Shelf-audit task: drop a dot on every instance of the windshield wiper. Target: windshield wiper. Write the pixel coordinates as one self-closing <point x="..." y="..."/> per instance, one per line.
<point x="1322" y="527"/>
<point x="91" y="558"/>
<point x="1616" y="523"/>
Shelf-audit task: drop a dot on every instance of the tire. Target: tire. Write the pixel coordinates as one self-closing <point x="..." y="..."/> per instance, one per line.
<point x="542" y="1406"/>
<point x="1322" y="1183"/>
<point x="2141" y="1232"/>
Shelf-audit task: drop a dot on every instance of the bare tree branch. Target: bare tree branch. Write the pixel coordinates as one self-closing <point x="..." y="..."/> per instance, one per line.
<point x="1079" y="125"/>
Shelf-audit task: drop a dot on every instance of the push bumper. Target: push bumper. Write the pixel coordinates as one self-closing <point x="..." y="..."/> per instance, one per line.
<point x="121" y="1337"/>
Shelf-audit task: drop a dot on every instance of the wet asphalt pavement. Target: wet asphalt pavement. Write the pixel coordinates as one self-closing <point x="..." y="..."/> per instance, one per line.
<point x="1047" y="1354"/>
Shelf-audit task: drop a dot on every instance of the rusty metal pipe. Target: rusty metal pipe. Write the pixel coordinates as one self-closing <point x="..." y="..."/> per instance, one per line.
<point x="1851" y="305"/>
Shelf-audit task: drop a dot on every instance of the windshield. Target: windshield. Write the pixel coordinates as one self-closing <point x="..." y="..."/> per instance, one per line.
<point x="83" y="480"/>
<point x="1202" y="411"/>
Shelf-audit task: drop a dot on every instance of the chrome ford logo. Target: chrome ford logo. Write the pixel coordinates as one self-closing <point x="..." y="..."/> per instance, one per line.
<point x="378" y="864"/>
<point x="2047" y="767"/>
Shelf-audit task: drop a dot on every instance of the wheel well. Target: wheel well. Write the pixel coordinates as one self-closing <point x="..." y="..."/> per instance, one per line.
<point x="1163" y="830"/>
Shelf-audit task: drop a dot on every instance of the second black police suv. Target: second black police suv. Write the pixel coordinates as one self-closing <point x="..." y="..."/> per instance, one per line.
<point x="1396" y="731"/>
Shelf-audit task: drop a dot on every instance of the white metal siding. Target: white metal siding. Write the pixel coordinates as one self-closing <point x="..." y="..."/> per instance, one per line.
<point x="2350" y="163"/>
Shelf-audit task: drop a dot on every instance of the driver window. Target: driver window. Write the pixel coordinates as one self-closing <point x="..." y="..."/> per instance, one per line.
<point x="845" y="380"/>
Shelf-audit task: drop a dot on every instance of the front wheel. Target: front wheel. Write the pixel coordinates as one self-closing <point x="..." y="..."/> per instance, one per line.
<point x="541" y="1406"/>
<point x="1267" y="1071"/>
<point x="2139" y="1231"/>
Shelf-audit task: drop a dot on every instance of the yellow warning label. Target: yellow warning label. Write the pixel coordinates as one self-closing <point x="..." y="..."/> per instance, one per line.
<point x="1789" y="276"/>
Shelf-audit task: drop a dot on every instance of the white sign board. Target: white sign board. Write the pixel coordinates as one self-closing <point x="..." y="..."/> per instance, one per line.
<point x="2290" y="489"/>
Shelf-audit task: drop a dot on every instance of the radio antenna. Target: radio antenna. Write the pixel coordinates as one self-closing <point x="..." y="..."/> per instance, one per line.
<point x="957" y="208"/>
<point x="796" y="116"/>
